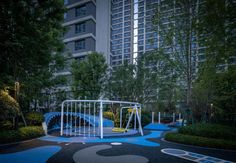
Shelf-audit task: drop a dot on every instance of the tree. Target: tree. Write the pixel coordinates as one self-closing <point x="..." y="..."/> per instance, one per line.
<point x="215" y="87"/>
<point x="9" y="107"/>
<point x="176" y="23"/>
<point x="30" y="43"/>
<point x="89" y="76"/>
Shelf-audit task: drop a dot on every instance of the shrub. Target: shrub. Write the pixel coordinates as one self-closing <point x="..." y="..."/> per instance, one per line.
<point x="201" y="141"/>
<point x="30" y="132"/>
<point x="146" y="118"/>
<point x="6" y="125"/>
<point x="8" y="105"/>
<point x="23" y="133"/>
<point x="108" y="115"/>
<point x="34" y="118"/>
<point x="210" y="131"/>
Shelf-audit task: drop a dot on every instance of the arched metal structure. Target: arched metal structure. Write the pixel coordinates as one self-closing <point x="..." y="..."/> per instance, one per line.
<point x="91" y="111"/>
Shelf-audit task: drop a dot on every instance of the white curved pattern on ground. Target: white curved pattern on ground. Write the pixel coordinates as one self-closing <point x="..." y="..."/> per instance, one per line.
<point x="89" y="155"/>
<point x="193" y="156"/>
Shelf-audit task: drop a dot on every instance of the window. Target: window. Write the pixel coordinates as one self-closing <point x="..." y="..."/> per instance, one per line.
<point x="127" y="34"/>
<point x="65" y="15"/>
<point x="80" y="11"/>
<point x="79" y="28"/>
<point x="65" y="2"/>
<point x="126" y="45"/>
<point x="79" y="44"/>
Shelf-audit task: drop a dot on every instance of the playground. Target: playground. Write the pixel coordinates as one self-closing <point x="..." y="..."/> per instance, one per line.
<point x="86" y="131"/>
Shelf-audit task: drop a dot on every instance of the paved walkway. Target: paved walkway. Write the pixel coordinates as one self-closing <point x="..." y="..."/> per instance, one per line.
<point x="149" y="148"/>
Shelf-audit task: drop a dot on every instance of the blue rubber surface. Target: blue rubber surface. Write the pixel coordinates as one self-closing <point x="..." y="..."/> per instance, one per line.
<point x="88" y="118"/>
<point x="138" y="140"/>
<point x="157" y="126"/>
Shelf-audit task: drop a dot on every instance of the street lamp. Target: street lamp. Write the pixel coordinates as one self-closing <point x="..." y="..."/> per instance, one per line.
<point x="17" y="90"/>
<point x="211" y="110"/>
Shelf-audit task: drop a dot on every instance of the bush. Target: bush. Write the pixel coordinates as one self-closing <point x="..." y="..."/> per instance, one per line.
<point x="30" y="132"/>
<point x="23" y="133"/>
<point x="34" y="118"/>
<point x="146" y="118"/>
<point x="9" y="107"/>
<point x="6" y="125"/>
<point x="209" y="131"/>
<point x="108" y="115"/>
<point x="201" y="141"/>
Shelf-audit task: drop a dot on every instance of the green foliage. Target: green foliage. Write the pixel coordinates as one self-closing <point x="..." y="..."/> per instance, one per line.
<point x="89" y="76"/>
<point x="23" y="133"/>
<point x="34" y="118"/>
<point x="8" y="105"/>
<point x="30" y="132"/>
<point x="6" y="125"/>
<point x="146" y="118"/>
<point x="30" y="44"/>
<point x="209" y="131"/>
<point x="215" y="83"/>
<point x="108" y="115"/>
<point x="201" y="141"/>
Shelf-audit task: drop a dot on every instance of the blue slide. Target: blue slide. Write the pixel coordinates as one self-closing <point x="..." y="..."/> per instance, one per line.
<point x="88" y="118"/>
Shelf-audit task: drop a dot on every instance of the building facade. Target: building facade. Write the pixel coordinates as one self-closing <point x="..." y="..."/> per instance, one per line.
<point x="87" y="24"/>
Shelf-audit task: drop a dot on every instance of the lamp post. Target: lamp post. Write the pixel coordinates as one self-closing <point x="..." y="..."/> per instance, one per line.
<point x="211" y="110"/>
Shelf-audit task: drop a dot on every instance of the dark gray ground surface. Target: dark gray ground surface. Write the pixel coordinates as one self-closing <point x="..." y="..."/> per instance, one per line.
<point x="153" y="154"/>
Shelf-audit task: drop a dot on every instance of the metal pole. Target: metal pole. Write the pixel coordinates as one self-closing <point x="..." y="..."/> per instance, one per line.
<point x="159" y="117"/>
<point x="62" y="117"/>
<point x="173" y="117"/>
<point x="79" y="117"/>
<point x="135" y="117"/>
<point x="153" y="117"/>
<point x="94" y="125"/>
<point x="179" y="116"/>
<point x="84" y="117"/>
<point x="139" y="122"/>
<point x="129" y="119"/>
<point x="89" y="120"/>
<point x="101" y="120"/>
<point x="75" y="116"/>
<point x="121" y="117"/>
<point x="67" y="118"/>
<point x="71" y="125"/>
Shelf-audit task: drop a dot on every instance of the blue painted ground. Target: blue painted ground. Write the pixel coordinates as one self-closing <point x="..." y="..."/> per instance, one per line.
<point x="35" y="155"/>
<point x="88" y="118"/>
<point x="139" y="140"/>
<point x="157" y="126"/>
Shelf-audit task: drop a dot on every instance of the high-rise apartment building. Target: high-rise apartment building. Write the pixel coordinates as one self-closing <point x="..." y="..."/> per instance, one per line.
<point x="88" y="29"/>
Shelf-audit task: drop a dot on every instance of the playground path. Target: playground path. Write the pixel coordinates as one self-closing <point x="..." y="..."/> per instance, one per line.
<point x="123" y="150"/>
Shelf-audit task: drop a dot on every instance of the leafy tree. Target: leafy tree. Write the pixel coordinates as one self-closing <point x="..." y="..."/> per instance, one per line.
<point x="89" y="76"/>
<point x="8" y="105"/>
<point x="31" y="45"/>
<point x="214" y="90"/>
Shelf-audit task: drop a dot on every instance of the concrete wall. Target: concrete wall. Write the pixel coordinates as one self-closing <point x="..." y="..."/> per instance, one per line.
<point x="103" y="27"/>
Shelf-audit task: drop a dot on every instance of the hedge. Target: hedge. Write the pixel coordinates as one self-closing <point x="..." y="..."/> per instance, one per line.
<point x="201" y="141"/>
<point x="22" y="133"/>
<point x="209" y="131"/>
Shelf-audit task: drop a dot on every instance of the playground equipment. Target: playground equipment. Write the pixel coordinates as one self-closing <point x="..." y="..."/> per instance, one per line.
<point x="77" y="114"/>
<point x="164" y="127"/>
